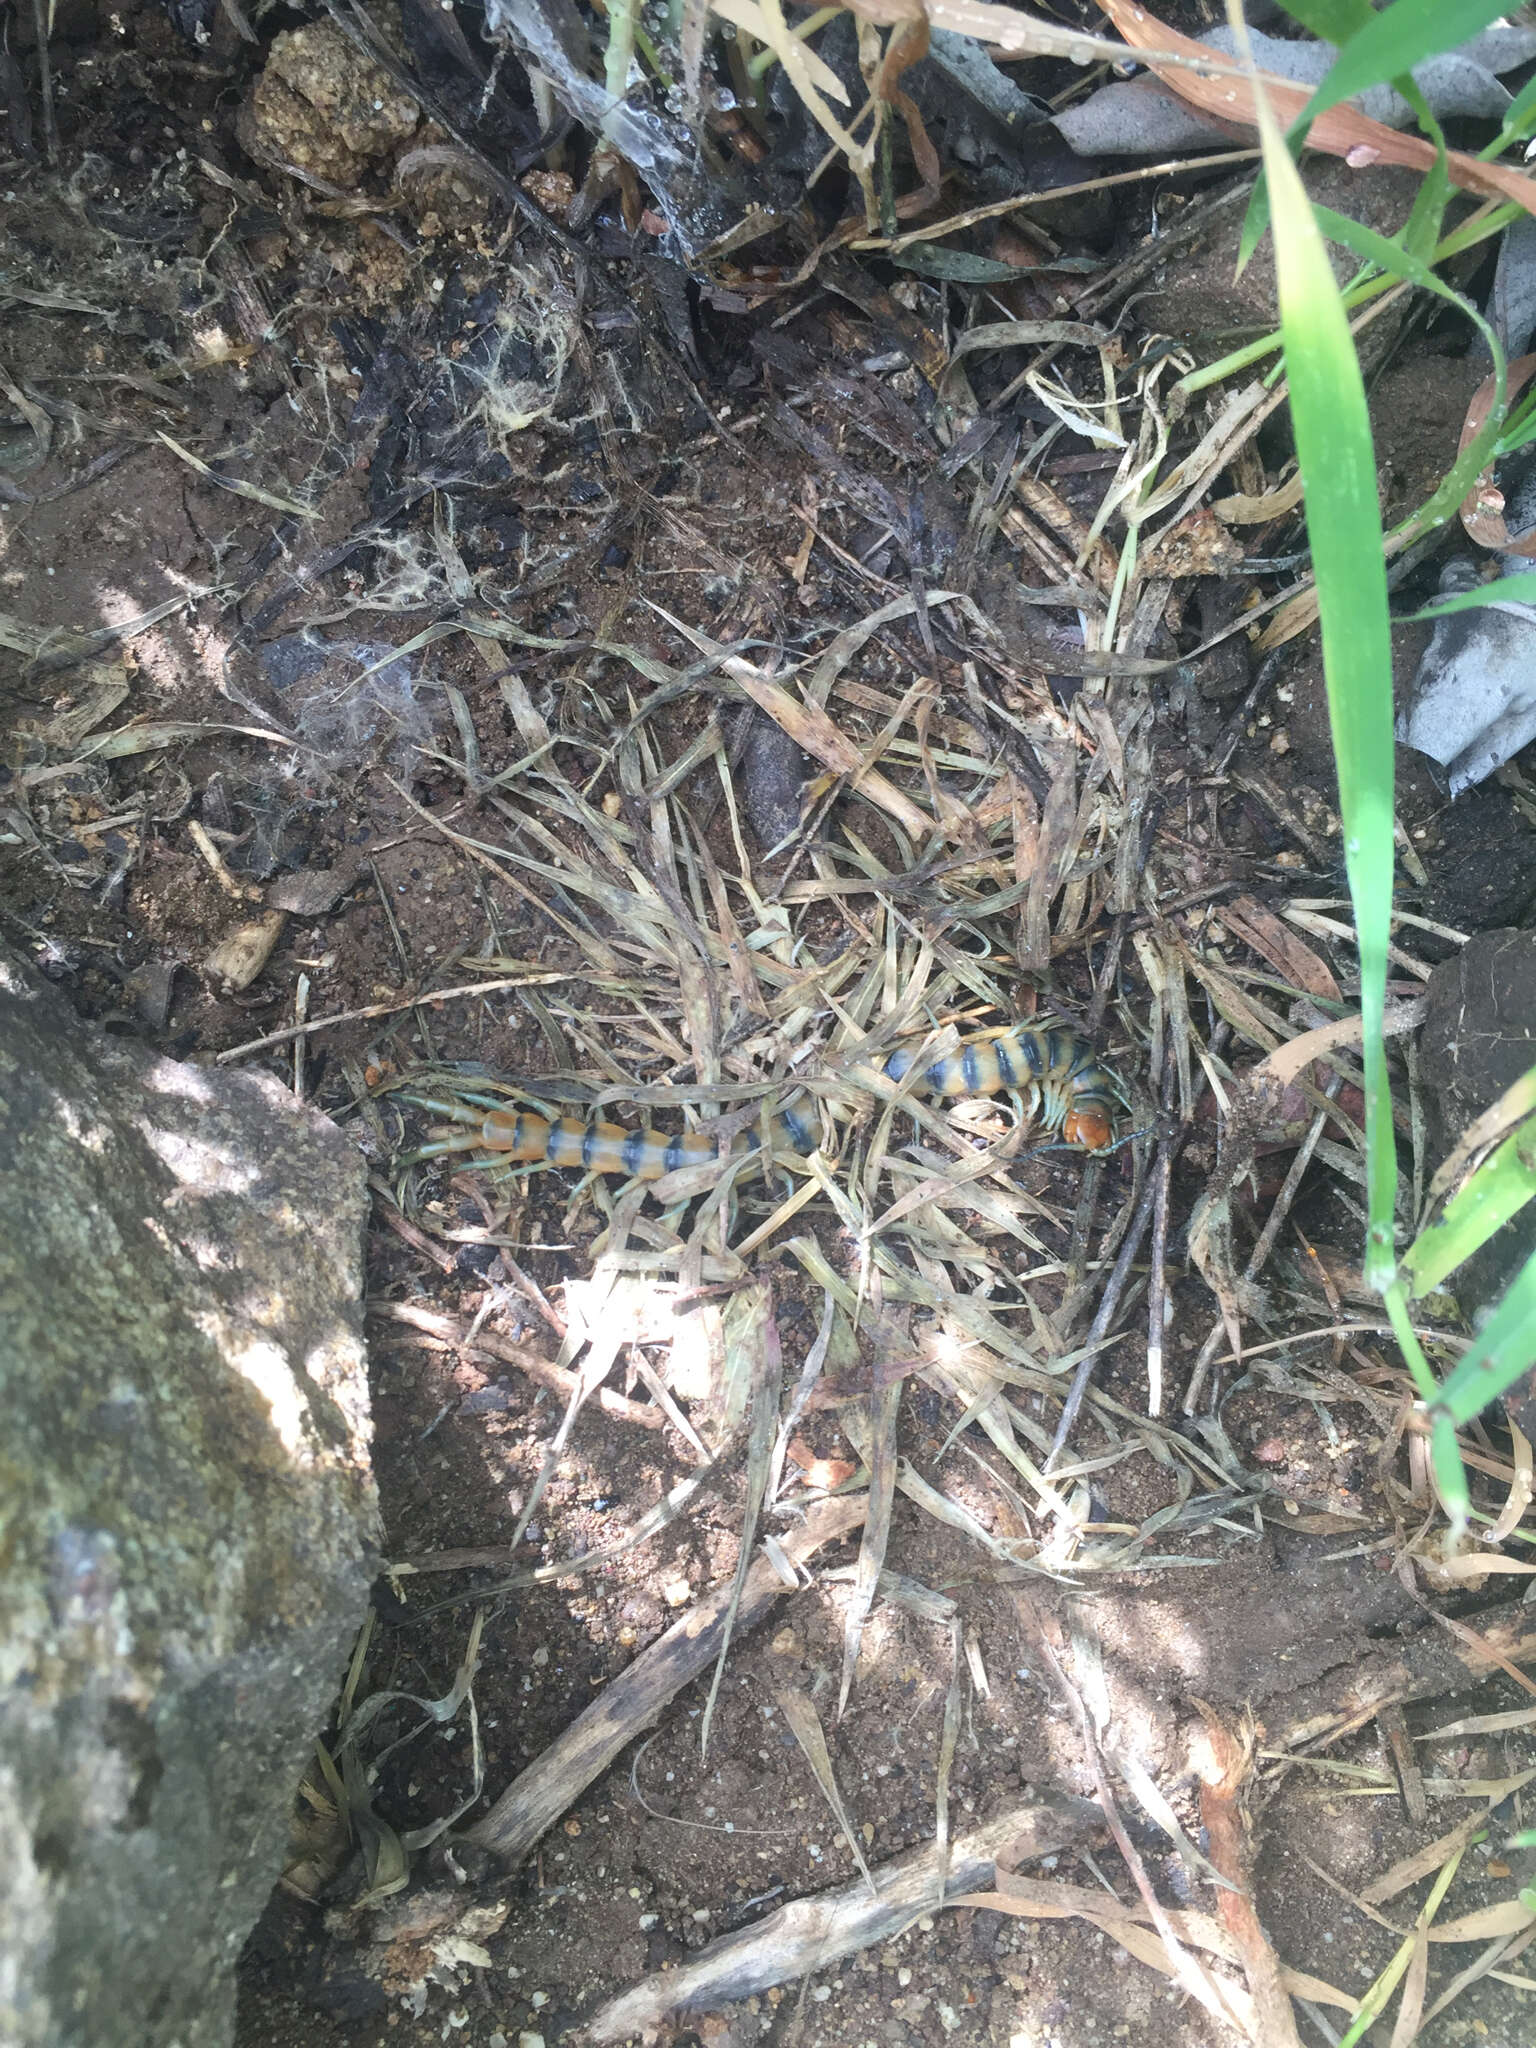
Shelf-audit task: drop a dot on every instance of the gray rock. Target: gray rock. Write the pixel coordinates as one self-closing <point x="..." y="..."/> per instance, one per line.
<point x="1471" y="705"/>
<point x="1145" y="118"/>
<point x="187" y="1515"/>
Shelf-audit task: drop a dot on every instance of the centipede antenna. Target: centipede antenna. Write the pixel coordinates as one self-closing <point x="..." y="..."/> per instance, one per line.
<point x="1120" y="1144"/>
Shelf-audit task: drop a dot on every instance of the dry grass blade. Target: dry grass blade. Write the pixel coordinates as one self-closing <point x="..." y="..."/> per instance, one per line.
<point x="814" y="82"/>
<point x="1409" y="1966"/>
<point x="1410" y="2012"/>
<point x="1426" y="1668"/>
<point x="1517" y="1101"/>
<point x="603" y="1335"/>
<point x="878" y="1447"/>
<point x="952" y="1515"/>
<point x="1285" y="1062"/>
<point x="1018" y="34"/>
<point x="1503" y="1950"/>
<point x="1258" y="927"/>
<point x="387" y="1852"/>
<point x="1154" y="1803"/>
<point x="1210" y="1993"/>
<point x="101" y="688"/>
<point x="51" y="648"/>
<point x="289" y="506"/>
<point x="1129" y="1925"/>
<point x="812" y="729"/>
<point x="800" y="1718"/>
<point x="757" y="1338"/>
<point x="949" y="1735"/>
<point x="1411" y="1870"/>
<point x="474" y="989"/>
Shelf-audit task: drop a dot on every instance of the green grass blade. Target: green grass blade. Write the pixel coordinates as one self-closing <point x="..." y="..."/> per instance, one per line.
<point x="1467" y="236"/>
<point x="1354" y="24"/>
<point x="1392" y="42"/>
<point x="1337" y="459"/>
<point x="1517" y="589"/>
<point x="1375" y="1999"/>
<point x="1389" y="255"/>
<point x="1450" y="1473"/>
<point x="1331" y="21"/>
<point x="1425" y="1384"/>
<point x="1499" y="1189"/>
<point x="1474" y="458"/>
<point x="1421" y="231"/>
<point x="1504" y="1350"/>
<point x="1519" y="120"/>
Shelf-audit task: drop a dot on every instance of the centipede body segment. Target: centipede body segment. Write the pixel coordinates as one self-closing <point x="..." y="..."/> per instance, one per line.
<point x="1052" y="1075"/>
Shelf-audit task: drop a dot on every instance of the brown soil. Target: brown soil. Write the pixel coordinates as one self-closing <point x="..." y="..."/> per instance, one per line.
<point x="696" y="517"/>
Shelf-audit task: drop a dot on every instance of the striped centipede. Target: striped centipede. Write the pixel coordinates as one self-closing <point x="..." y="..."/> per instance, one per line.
<point x="1053" y="1077"/>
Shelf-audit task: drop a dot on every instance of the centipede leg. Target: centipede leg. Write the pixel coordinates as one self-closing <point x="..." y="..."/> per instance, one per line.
<point x="503" y="1170"/>
<point x="444" y="1148"/>
<point x="1022" y="1115"/>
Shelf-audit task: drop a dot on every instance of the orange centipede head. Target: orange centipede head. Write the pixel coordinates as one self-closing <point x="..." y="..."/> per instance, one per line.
<point x="1091" y="1127"/>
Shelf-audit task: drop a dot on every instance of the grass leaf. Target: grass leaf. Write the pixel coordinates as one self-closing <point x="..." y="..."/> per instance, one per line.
<point x="1331" y="21"/>
<point x="1517" y="589"/>
<point x="1391" y="43"/>
<point x="1337" y="458"/>
<point x="1504" y="1349"/>
<point x="1499" y="1189"/>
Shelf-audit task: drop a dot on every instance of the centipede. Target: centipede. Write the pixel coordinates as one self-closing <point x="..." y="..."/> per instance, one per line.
<point x="1050" y="1073"/>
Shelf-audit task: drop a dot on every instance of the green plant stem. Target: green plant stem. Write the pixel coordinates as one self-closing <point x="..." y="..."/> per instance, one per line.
<point x="1467" y="236"/>
<point x="1396" y="1299"/>
<point x="765" y="59"/>
<point x="622" y="17"/>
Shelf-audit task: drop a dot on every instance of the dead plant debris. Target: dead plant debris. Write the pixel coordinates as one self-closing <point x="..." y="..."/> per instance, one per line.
<point x="638" y="583"/>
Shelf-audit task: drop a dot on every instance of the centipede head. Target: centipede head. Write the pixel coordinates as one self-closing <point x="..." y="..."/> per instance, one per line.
<point x="1089" y="1125"/>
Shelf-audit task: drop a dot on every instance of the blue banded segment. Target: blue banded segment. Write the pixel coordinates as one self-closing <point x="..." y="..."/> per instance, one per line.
<point x="1053" y="1076"/>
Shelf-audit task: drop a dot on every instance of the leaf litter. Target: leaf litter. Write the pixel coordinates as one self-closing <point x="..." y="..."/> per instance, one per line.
<point x="978" y="843"/>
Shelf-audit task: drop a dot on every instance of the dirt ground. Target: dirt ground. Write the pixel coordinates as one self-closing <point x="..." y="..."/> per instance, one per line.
<point x="263" y="436"/>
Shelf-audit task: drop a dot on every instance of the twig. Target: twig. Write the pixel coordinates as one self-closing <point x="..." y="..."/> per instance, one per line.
<point x="534" y="1292"/>
<point x="1187" y="1973"/>
<point x="1259" y="688"/>
<point x="555" y="1779"/>
<point x="1224" y="1761"/>
<point x="448" y="1332"/>
<point x="1114" y="1288"/>
<point x="815" y="1933"/>
<point x="1426" y="1666"/>
<point x="300" y="1013"/>
<point x="407" y="966"/>
<point x="656" y="1518"/>
<point x="435" y="995"/>
<point x="1157" y="1278"/>
<point x="1266" y="1240"/>
<point x="1110" y="970"/>
<point x="243" y="892"/>
<point x="410" y="1233"/>
<point x="42" y="21"/>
